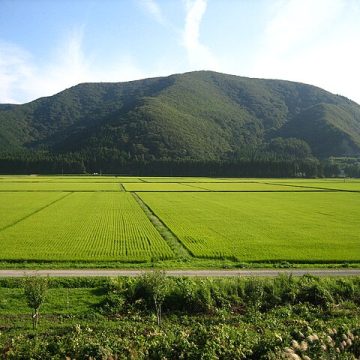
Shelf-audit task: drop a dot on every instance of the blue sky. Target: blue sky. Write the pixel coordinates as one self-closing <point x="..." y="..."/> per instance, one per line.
<point x="49" y="45"/>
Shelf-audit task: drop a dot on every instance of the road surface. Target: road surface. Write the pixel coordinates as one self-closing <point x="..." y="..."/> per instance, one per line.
<point x="191" y="273"/>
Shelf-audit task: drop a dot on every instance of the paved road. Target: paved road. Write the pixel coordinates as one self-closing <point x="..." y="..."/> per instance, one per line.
<point x="192" y="273"/>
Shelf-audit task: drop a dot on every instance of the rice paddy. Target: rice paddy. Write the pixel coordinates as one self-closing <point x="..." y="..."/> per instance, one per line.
<point x="163" y="187"/>
<point x="58" y="186"/>
<point x="267" y="226"/>
<point x="84" y="226"/>
<point x="97" y="218"/>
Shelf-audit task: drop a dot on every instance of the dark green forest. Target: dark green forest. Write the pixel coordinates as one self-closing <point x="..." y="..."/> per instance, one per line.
<point x="198" y="120"/>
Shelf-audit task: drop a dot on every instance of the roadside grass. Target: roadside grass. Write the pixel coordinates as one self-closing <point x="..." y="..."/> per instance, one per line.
<point x="184" y="263"/>
<point x="63" y="307"/>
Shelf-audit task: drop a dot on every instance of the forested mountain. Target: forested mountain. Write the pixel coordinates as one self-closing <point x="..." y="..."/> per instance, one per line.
<point x="193" y="116"/>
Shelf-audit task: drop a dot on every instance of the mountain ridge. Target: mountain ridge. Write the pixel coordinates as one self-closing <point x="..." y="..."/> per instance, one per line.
<point x="196" y="115"/>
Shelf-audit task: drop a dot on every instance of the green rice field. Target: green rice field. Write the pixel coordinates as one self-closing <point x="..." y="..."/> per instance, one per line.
<point x="129" y="219"/>
<point x="263" y="226"/>
<point x="180" y="187"/>
<point x="249" y="186"/>
<point x="58" y="186"/>
<point x="326" y="185"/>
<point x="80" y="226"/>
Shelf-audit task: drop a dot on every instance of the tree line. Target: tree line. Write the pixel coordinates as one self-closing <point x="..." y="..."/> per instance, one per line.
<point x="260" y="166"/>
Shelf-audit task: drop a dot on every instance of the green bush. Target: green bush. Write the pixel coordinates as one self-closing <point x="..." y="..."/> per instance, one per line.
<point x="315" y="294"/>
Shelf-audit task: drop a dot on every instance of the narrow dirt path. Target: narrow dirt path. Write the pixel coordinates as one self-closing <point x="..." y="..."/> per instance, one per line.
<point x="190" y="273"/>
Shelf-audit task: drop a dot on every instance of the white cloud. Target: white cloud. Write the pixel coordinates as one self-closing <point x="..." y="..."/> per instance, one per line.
<point x="194" y="13"/>
<point x="199" y="56"/>
<point x="21" y="80"/>
<point x="296" y="22"/>
<point x="314" y="42"/>
<point x="67" y="67"/>
<point x="153" y="8"/>
<point x="14" y="67"/>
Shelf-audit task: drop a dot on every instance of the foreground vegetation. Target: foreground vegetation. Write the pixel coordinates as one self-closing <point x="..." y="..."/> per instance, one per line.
<point x="281" y="318"/>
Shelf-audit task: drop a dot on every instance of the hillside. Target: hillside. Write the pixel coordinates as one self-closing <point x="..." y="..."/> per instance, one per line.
<point x="197" y="115"/>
